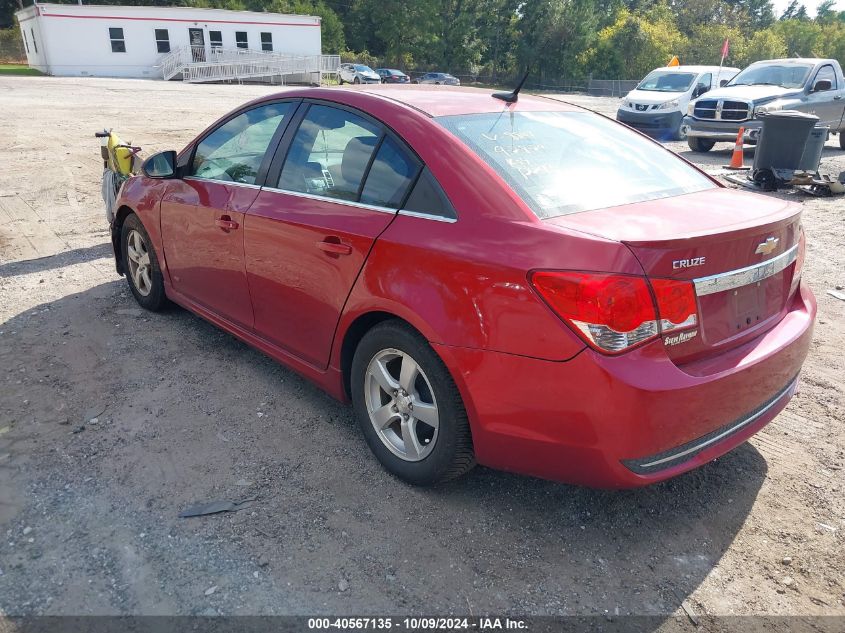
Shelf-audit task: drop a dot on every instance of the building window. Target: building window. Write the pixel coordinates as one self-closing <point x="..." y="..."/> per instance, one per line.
<point x="118" y="45"/>
<point x="25" y="41"/>
<point x="266" y="41"/>
<point x="162" y="40"/>
<point x="216" y="38"/>
<point x="241" y="39"/>
<point x="34" y="43"/>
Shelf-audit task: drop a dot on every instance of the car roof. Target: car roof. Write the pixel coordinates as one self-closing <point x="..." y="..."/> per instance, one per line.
<point x="450" y="100"/>
<point x="444" y="101"/>
<point x="697" y="69"/>
<point x="795" y="60"/>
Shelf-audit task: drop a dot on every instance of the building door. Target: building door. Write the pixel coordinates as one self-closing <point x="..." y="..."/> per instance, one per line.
<point x="197" y="39"/>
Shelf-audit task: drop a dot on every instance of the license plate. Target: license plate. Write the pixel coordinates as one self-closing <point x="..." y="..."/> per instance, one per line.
<point x="749" y="305"/>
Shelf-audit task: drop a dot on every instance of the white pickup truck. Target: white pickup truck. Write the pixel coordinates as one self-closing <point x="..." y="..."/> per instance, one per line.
<point x="814" y="86"/>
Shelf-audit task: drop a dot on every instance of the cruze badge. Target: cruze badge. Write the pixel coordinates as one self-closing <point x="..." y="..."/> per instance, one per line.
<point x="682" y="337"/>
<point x="764" y="248"/>
<point x="688" y="263"/>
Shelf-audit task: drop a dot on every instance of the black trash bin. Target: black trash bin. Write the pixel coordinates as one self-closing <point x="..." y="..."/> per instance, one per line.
<point x="783" y="136"/>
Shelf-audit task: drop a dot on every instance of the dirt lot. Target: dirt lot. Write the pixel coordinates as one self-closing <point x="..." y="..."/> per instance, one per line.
<point x="112" y="420"/>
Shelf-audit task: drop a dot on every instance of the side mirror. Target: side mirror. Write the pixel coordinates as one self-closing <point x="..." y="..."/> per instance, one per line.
<point x="822" y="85"/>
<point x="700" y="89"/>
<point x="161" y="165"/>
<point x="723" y="83"/>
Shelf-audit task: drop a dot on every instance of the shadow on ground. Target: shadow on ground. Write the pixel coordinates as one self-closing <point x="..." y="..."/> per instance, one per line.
<point x="186" y="413"/>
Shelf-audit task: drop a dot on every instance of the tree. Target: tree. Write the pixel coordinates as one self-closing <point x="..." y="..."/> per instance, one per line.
<point x="765" y="44"/>
<point x="801" y="36"/>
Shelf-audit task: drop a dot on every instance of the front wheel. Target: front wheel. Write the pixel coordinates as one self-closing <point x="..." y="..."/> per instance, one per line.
<point x="141" y="265"/>
<point x="357" y="80"/>
<point x="409" y="408"/>
<point x="697" y="144"/>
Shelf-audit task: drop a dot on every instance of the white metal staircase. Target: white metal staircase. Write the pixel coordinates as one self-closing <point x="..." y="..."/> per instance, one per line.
<point x="198" y="64"/>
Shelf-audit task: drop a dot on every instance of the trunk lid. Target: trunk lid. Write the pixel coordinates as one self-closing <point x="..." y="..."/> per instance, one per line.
<point x="738" y="248"/>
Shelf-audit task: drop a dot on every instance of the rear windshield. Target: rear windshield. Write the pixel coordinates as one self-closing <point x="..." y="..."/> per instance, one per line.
<point x="667" y="81"/>
<point x="567" y="162"/>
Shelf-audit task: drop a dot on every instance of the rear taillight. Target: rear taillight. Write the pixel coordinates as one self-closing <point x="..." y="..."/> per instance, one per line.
<point x="613" y="313"/>
<point x="799" y="264"/>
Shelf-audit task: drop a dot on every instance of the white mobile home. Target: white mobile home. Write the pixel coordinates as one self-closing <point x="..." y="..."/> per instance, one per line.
<point x="123" y="41"/>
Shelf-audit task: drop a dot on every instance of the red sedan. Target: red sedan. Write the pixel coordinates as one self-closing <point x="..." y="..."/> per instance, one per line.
<point x="527" y="285"/>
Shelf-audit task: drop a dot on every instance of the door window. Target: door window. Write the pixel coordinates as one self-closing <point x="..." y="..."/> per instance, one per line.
<point x="826" y="73"/>
<point x="330" y="154"/>
<point x="390" y="175"/>
<point x="234" y="151"/>
<point x="704" y="84"/>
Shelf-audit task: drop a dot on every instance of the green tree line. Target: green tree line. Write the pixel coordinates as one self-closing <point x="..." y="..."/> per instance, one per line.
<point x="554" y="39"/>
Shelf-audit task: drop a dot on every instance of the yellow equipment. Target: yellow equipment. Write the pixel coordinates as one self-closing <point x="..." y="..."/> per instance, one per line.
<point x="120" y="161"/>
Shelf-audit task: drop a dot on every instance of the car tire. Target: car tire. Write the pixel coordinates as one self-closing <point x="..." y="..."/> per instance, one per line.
<point x="425" y="450"/>
<point x="339" y="80"/>
<point x="842" y="139"/>
<point x="357" y="80"/>
<point x="697" y="144"/>
<point x="680" y="134"/>
<point x="140" y="265"/>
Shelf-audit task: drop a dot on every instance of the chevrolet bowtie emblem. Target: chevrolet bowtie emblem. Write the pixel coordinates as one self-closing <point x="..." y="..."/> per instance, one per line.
<point x="764" y="248"/>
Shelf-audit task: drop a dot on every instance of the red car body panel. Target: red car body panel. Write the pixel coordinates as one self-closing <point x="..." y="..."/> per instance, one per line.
<point x="539" y="400"/>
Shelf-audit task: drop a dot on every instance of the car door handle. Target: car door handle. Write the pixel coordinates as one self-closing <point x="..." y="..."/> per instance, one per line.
<point x="226" y="223"/>
<point x="335" y="248"/>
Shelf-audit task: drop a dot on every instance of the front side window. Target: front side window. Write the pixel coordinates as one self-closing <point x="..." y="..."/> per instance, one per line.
<point x="118" y="44"/>
<point x="826" y="73"/>
<point x="162" y="40"/>
<point x="329" y="154"/>
<point x="216" y="38"/>
<point x="234" y="151"/>
<point x="266" y="41"/>
<point x="568" y="162"/>
<point x="667" y="81"/>
<point x="241" y="40"/>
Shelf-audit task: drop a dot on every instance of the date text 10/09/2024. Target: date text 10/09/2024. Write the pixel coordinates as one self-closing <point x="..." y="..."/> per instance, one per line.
<point x="417" y="624"/>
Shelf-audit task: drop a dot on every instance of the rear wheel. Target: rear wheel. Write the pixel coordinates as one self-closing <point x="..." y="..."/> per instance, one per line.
<point x="408" y="406"/>
<point x="141" y="265"/>
<point x="697" y="144"/>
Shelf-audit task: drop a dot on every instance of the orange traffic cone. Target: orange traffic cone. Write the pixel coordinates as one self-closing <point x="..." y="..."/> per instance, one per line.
<point x="738" y="156"/>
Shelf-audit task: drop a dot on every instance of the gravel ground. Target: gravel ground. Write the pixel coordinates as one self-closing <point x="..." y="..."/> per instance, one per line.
<point x="113" y="420"/>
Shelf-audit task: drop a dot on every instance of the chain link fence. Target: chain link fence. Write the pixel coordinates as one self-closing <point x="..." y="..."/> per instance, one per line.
<point x="11" y="47"/>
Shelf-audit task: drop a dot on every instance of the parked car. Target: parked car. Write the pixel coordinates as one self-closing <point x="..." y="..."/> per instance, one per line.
<point x="815" y="86"/>
<point x="438" y="79"/>
<point x="357" y="74"/>
<point x="658" y="104"/>
<point x="547" y="292"/>
<point x="392" y="76"/>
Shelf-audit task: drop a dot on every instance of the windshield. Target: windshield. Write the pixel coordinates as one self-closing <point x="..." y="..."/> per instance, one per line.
<point x="363" y="69"/>
<point x="667" y="81"/>
<point x="784" y="75"/>
<point x="567" y="162"/>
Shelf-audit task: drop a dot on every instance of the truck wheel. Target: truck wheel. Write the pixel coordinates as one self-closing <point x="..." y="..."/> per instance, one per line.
<point x="697" y="144"/>
<point x="842" y="139"/>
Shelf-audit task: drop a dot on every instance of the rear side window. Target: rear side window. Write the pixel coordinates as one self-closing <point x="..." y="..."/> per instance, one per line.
<point x="568" y="162"/>
<point x="390" y="175"/>
<point x="330" y="154"/>
<point x="234" y="151"/>
<point x="428" y="198"/>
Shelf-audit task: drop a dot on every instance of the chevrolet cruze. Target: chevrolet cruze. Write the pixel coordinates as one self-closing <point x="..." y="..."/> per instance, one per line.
<point x="518" y="283"/>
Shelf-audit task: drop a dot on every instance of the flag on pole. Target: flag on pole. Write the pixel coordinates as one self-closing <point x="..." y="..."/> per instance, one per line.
<point x="725" y="49"/>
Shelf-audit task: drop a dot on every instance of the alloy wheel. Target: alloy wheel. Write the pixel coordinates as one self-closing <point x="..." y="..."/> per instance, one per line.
<point x="138" y="257"/>
<point x="401" y="405"/>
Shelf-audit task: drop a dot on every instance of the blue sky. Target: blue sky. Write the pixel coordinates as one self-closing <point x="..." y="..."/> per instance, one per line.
<point x="780" y="6"/>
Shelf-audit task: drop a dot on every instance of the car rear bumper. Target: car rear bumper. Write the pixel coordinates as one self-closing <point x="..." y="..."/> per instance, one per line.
<point x="629" y="420"/>
<point x="721" y="130"/>
<point x="653" y="124"/>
